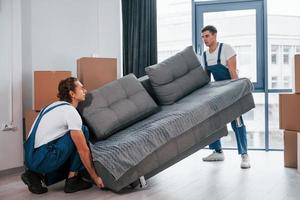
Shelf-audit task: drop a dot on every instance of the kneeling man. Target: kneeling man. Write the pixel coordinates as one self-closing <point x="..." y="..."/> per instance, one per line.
<point x="57" y="143"/>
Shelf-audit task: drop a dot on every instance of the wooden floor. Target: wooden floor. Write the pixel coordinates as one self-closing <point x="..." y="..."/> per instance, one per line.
<point x="191" y="179"/>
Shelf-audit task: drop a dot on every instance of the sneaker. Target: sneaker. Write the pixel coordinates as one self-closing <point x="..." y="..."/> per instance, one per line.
<point x="245" y="164"/>
<point x="33" y="181"/>
<point x="215" y="156"/>
<point x="75" y="184"/>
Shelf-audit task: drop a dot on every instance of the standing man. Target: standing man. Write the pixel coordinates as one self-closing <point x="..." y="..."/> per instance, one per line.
<point x="57" y="143"/>
<point x="220" y="61"/>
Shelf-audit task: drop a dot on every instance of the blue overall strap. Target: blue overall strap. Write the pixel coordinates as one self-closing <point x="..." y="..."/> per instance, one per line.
<point x="219" y="53"/>
<point x="205" y="59"/>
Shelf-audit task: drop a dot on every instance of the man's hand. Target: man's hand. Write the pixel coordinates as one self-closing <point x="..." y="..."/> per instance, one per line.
<point x="98" y="181"/>
<point x="85" y="155"/>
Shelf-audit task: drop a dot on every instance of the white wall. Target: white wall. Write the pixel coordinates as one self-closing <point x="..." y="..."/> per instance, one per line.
<point x="11" y="148"/>
<point x="26" y="55"/>
<point x="48" y="35"/>
<point x="61" y="31"/>
<point x="110" y="31"/>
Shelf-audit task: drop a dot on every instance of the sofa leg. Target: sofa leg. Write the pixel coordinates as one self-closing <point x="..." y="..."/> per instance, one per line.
<point x="143" y="183"/>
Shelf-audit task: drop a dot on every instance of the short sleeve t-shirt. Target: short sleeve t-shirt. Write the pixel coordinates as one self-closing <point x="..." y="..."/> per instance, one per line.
<point x="56" y="123"/>
<point x="212" y="58"/>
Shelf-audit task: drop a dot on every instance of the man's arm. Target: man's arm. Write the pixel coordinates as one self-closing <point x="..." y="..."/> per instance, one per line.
<point x="231" y="64"/>
<point x="85" y="155"/>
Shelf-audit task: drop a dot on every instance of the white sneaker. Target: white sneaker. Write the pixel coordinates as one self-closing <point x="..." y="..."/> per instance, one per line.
<point x="214" y="156"/>
<point x="245" y="164"/>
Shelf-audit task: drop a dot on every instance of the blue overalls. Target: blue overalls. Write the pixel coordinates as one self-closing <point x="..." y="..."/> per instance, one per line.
<point x="55" y="159"/>
<point x="220" y="73"/>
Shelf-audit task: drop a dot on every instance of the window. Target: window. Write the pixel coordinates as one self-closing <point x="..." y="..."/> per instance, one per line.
<point x="298" y="49"/>
<point x="274" y="50"/>
<point x="286" y="59"/>
<point x="282" y="17"/>
<point x="249" y="115"/>
<point x="244" y="61"/>
<point x="174" y="27"/>
<point x="286" y="82"/>
<point x="243" y="55"/>
<point x="243" y="40"/>
<point x="286" y="54"/>
<point x="274" y="78"/>
<point x="274" y="85"/>
<point x="275" y="133"/>
<point x="274" y="59"/>
<point x="274" y="82"/>
<point x="282" y="31"/>
<point x="286" y="49"/>
<point x="254" y="121"/>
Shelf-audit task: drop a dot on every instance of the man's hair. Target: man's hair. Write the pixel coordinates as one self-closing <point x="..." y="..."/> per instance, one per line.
<point x="64" y="88"/>
<point x="209" y="28"/>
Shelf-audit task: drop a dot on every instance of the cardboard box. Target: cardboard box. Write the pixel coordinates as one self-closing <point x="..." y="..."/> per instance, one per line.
<point x="298" y="152"/>
<point x="289" y="111"/>
<point x="297" y="73"/>
<point x="96" y="72"/>
<point x="290" y="149"/>
<point x="46" y="87"/>
<point x="30" y="117"/>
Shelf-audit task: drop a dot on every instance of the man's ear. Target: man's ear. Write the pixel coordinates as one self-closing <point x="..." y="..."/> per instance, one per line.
<point x="71" y="93"/>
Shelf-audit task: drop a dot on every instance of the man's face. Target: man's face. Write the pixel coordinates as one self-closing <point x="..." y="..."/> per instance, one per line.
<point x="79" y="92"/>
<point x="209" y="38"/>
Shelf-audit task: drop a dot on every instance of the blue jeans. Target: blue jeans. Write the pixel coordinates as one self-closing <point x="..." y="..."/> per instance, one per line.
<point x="241" y="138"/>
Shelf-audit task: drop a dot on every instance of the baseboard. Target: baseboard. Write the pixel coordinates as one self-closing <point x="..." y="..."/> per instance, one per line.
<point x="11" y="171"/>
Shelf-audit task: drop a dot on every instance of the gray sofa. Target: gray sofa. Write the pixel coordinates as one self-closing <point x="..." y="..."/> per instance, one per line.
<point x="142" y="126"/>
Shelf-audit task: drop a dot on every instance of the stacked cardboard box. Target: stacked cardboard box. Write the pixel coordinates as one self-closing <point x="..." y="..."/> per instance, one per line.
<point x="96" y="72"/>
<point x="297" y="74"/>
<point x="92" y="72"/>
<point x="289" y="120"/>
<point x="45" y="92"/>
<point x="46" y="87"/>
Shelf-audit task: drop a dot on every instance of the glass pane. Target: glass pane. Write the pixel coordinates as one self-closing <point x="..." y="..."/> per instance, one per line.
<point x="241" y="38"/>
<point x="286" y="49"/>
<point x="286" y="7"/>
<point x="274" y="48"/>
<point x="283" y="33"/>
<point x="274" y="59"/>
<point x="255" y="125"/>
<point x="174" y="27"/>
<point x="275" y="134"/>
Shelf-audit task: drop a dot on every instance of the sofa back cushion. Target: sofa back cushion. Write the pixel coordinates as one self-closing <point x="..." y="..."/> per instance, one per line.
<point x="115" y="106"/>
<point x="177" y="76"/>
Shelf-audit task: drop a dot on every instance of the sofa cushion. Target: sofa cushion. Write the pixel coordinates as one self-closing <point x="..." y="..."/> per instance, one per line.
<point x="177" y="76"/>
<point x="116" y="105"/>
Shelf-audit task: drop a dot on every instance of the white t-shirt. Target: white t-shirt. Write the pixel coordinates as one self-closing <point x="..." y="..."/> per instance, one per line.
<point x="212" y="58"/>
<point x="56" y="123"/>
